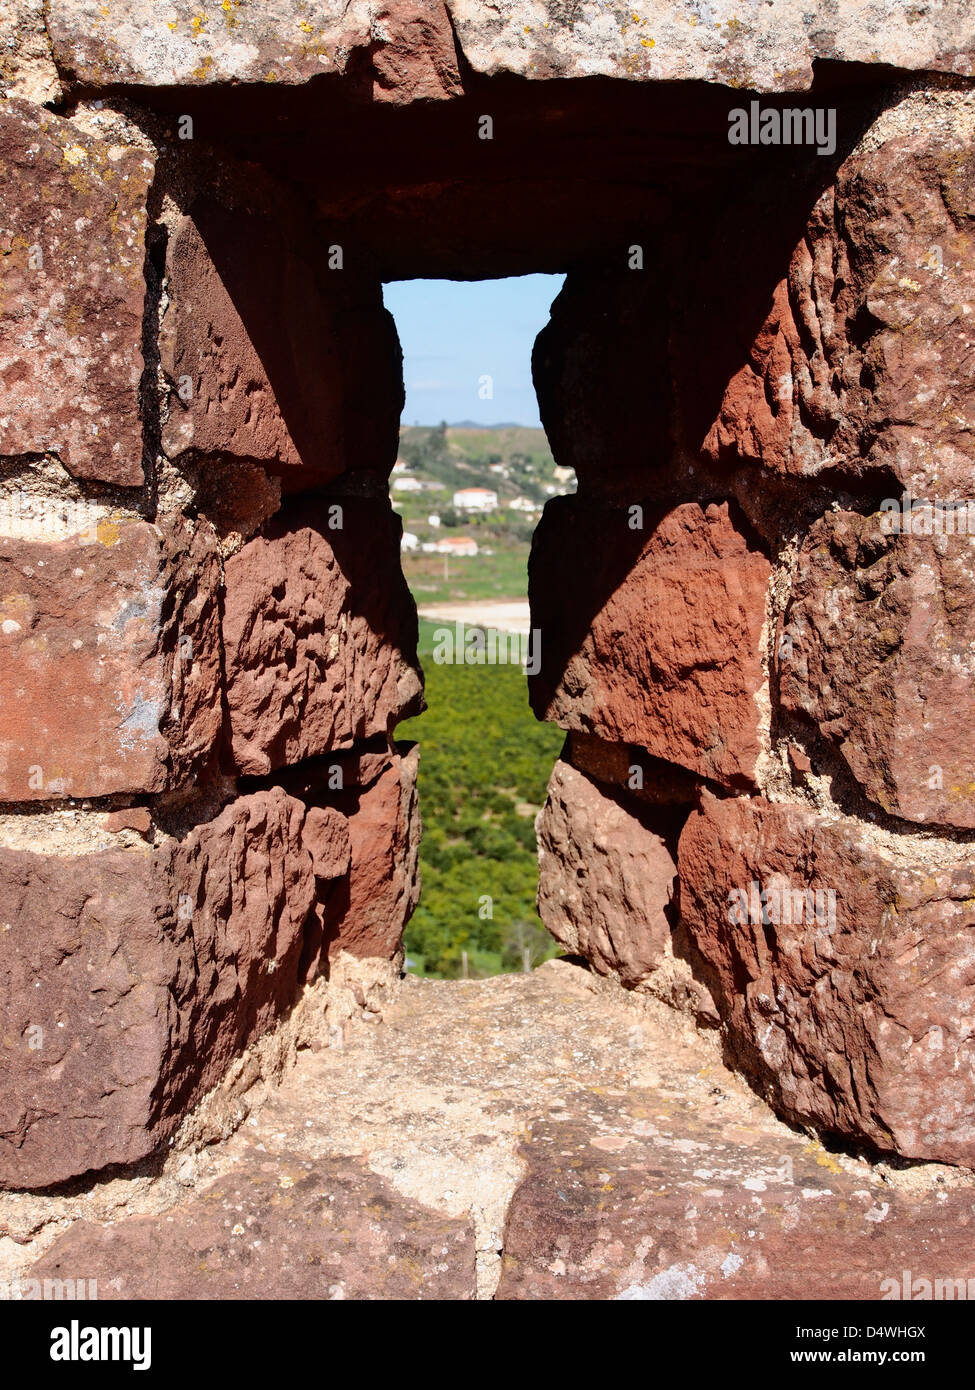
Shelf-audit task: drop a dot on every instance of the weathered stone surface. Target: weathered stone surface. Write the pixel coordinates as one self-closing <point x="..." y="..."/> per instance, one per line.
<point x="652" y="636"/>
<point x="876" y="648"/>
<point x="264" y="364"/>
<point x="375" y="795"/>
<point x="244" y="888"/>
<point x="26" y="66"/>
<point x="606" y="878"/>
<point x="632" y="1164"/>
<point x="856" y="1014"/>
<point x="320" y="634"/>
<point x="605" y="345"/>
<point x="110" y="679"/>
<point x="278" y="1227"/>
<point x="384" y="876"/>
<point x="87" y="963"/>
<point x="648" y="40"/>
<point x="72" y="295"/>
<point x="131" y="979"/>
<point x="413" y="51"/>
<point x="640" y="1201"/>
<point x="865" y="362"/>
<point x="761" y="47"/>
<point x="399" y="51"/>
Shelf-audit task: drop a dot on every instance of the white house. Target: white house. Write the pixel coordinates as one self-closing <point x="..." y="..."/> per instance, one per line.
<point x="476" y="499"/>
<point x="407" y="485"/>
<point x="452" y="545"/>
<point x="409" y="541"/>
<point x="524" y="504"/>
<point x="433" y="519"/>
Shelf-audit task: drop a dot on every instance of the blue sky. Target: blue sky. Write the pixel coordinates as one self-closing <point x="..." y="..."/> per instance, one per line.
<point x="456" y="332"/>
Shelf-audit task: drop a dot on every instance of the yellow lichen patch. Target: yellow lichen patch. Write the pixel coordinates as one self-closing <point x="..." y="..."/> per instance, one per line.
<point x="905" y="284"/>
<point x="200" y="73"/>
<point x="816" y="1151"/>
<point x="270" y="76"/>
<point x="198" y="24"/>
<point x="74" y="154"/>
<point x="171" y="24"/>
<point x="649" y="43"/>
<point x="306" y="27"/>
<point x="108" y="531"/>
<point x="74" y="320"/>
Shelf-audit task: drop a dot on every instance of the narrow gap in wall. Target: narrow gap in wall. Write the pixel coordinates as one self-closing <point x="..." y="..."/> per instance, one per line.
<point x="473" y="473"/>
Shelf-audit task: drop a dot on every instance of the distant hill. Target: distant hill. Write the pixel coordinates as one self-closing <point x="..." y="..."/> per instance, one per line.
<point x="515" y="460"/>
<point x="476" y="425"/>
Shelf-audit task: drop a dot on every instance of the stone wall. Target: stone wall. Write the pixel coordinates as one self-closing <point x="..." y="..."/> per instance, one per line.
<point x="764" y="808"/>
<point x="200" y="594"/>
<point x="792" y="632"/>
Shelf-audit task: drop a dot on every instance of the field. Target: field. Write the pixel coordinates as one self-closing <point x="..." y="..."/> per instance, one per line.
<point x="501" y="574"/>
<point x="484" y="764"/>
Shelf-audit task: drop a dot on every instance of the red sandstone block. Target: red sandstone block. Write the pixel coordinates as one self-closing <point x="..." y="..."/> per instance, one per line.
<point x="319" y="633"/>
<point x="843" y="964"/>
<point x="131" y="979"/>
<point x="865" y="360"/>
<point x="263" y="363"/>
<point x="876" y="649"/>
<point x="72" y="233"/>
<point x="109" y="678"/>
<point x="606" y="877"/>
<point x="384" y="875"/>
<point x="652" y="635"/>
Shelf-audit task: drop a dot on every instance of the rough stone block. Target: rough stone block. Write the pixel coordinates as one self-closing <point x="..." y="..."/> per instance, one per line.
<point x="264" y="364"/>
<point x="865" y="363"/>
<point x="312" y="1234"/>
<point x="876" y="647"/>
<point x="403" y="51"/>
<point x="374" y="791"/>
<point x="110" y="679"/>
<point x="88" y="960"/>
<point x="72" y="295"/>
<point x="606" y="877"/>
<point x="320" y="634"/>
<point x="384" y="875"/>
<point x="652" y="636"/>
<point x="843" y="969"/>
<point x="130" y="979"/>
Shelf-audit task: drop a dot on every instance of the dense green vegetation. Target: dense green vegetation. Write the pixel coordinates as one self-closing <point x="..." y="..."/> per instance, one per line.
<point x="484" y="760"/>
<point x="484" y="764"/>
